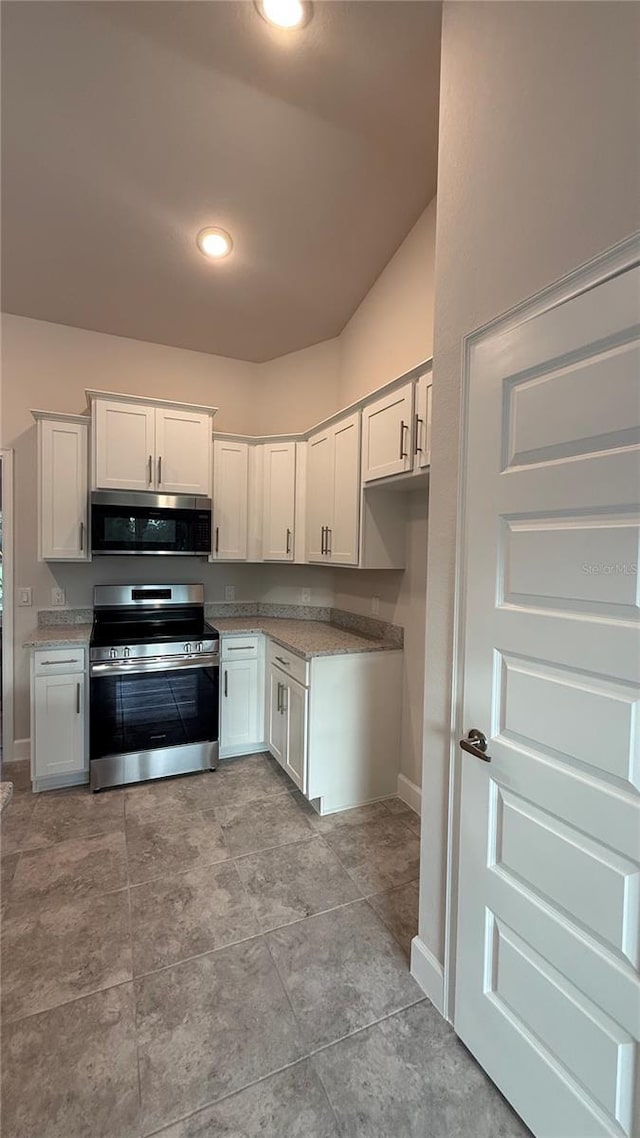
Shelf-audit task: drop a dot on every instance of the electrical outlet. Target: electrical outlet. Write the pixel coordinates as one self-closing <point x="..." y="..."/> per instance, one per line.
<point x="229" y="592"/>
<point x="306" y="596"/>
<point x="375" y="606"/>
<point x="58" y="596"/>
<point x="25" y="596"/>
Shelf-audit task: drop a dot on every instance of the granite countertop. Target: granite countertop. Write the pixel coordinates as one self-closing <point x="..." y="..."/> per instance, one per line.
<point x="307" y="638"/>
<point x="59" y="636"/>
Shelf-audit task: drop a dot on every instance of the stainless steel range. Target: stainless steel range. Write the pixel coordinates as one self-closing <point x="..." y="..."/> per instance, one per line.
<point x="154" y="684"/>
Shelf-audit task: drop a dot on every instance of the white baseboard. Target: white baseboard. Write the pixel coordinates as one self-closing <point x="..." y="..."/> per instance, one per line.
<point x="428" y="972"/>
<point x="409" y="793"/>
<point x="21" y="750"/>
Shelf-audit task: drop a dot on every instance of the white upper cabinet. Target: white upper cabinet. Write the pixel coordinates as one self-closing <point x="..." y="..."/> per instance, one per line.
<point x="146" y="446"/>
<point x="422" y="428"/>
<point x="230" y="500"/>
<point x="279" y="475"/>
<point x="183" y="451"/>
<point x="333" y="493"/>
<point x="62" y="488"/>
<point x="124" y="444"/>
<point x="387" y="428"/>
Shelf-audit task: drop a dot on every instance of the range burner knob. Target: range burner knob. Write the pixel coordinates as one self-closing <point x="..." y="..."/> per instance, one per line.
<point x="126" y="653"/>
<point x="198" y="647"/>
<point x="113" y="653"/>
<point x="186" y="647"/>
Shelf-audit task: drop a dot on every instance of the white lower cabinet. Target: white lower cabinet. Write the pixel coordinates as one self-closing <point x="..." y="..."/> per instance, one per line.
<point x="333" y="724"/>
<point x="241" y="695"/>
<point x="59" y="750"/>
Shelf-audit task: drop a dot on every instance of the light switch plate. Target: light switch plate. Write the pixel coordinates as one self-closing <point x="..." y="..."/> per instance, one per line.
<point x="229" y="592"/>
<point x="25" y="596"/>
<point x="306" y="596"/>
<point x="58" y="597"/>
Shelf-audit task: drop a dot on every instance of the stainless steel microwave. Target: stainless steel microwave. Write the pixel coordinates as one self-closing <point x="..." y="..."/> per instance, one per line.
<point x="129" y="522"/>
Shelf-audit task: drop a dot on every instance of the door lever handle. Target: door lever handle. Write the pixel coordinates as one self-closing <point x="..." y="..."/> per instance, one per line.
<point x="476" y="744"/>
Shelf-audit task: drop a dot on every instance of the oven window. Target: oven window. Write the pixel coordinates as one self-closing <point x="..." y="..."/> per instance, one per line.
<point x="144" y="711"/>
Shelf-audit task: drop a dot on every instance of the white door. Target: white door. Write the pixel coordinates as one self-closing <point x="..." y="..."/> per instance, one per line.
<point x="422" y="428"/>
<point x="295" y="698"/>
<point x="183" y="448"/>
<point x="63" y="479"/>
<point x="59" y="725"/>
<point x="320" y="450"/>
<point x="240" y="716"/>
<point x="344" y="524"/>
<point x="279" y="501"/>
<point x="124" y="445"/>
<point x="230" y="499"/>
<point x="276" y="734"/>
<point x="386" y="430"/>
<point x="548" y="941"/>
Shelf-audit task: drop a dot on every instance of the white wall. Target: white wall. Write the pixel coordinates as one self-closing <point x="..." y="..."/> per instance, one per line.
<point x="538" y="172"/>
<point x="392" y="329"/>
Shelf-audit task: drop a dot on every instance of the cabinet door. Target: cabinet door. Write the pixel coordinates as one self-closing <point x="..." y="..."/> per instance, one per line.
<point x="279" y="501"/>
<point x="59" y="725"/>
<point x="63" y="496"/>
<point x="230" y="497"/>
<point x="124" y="446"/>
<point x="240" y="704"/>
<point x="319" y="494"/>
<point x="183" y="449"/>
<point x="295" y="715"/>
<point x="276" y="734"/>
<point x="422" y="432"/>
<point x="344" y="525"/>
<point x="387" y="435"/>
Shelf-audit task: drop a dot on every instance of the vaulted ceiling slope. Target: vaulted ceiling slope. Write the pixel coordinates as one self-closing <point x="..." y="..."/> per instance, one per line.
<point x="128" y="126"/>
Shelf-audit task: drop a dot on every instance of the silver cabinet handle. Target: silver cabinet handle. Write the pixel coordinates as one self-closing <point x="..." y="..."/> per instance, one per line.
<point x="150" y="470"/>
<point x="322" y="540"/>
<point x="288" y="542"/>
<point x="329" y="540"/>
<point x="226" y="683"/>
<point x="278" y="708"/>
<point x="82" y="537"/>
<point x="77" y="699"/>
<point x="403" y="428"/>
<point x="419" y="423"/>
<point x="48" y="663"/>
<point x="217" y="538"/>
<point x="244" y="648"/>
<point x="287" y="663"/>
<point x="160" y="471"/>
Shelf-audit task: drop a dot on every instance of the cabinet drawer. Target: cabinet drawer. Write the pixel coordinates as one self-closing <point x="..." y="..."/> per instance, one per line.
<point x="239" y="647"/>
<point x="58" y="661"/>
<point x="288" y="662"/>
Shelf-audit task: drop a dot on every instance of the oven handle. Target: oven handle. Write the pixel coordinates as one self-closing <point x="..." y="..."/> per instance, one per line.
<point x="155" y="664"/>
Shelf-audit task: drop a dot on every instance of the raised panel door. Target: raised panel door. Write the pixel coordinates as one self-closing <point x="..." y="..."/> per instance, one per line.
<point x="295" y="751"/>
<point x="422" y="429"/>
<point x="230" y="499"/>
<point x="124" y="446"/>
<point x="63" y="477"/>
<point x="239" y="707"/>
<point x="387" y="430"/>
<point x="320" y="474"/>
<point x="345" y="516"/>
<point x="279" y="501"/>
<point x="59" y="725"/>
<point x="276" y="734"/>
<point x="183" y="449"/>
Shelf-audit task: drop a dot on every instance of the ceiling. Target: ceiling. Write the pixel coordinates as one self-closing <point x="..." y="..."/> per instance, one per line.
<point x="128" y="126"/>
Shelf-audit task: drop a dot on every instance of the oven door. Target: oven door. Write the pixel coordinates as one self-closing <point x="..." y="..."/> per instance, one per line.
<point x="151" y="704"/>
<point x="150" y="524"/>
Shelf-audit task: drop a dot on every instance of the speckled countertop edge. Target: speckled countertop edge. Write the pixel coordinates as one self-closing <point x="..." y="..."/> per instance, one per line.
<point x="61" y="636"/>
<point x="305" y="638"/>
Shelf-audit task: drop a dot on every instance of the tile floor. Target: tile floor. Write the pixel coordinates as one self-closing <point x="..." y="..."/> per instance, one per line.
<point x="206" y="957"/>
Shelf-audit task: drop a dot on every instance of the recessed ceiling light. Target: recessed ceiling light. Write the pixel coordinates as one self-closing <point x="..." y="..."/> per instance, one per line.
<point x="214" y="243"/>
<point x="285" y="13"/>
